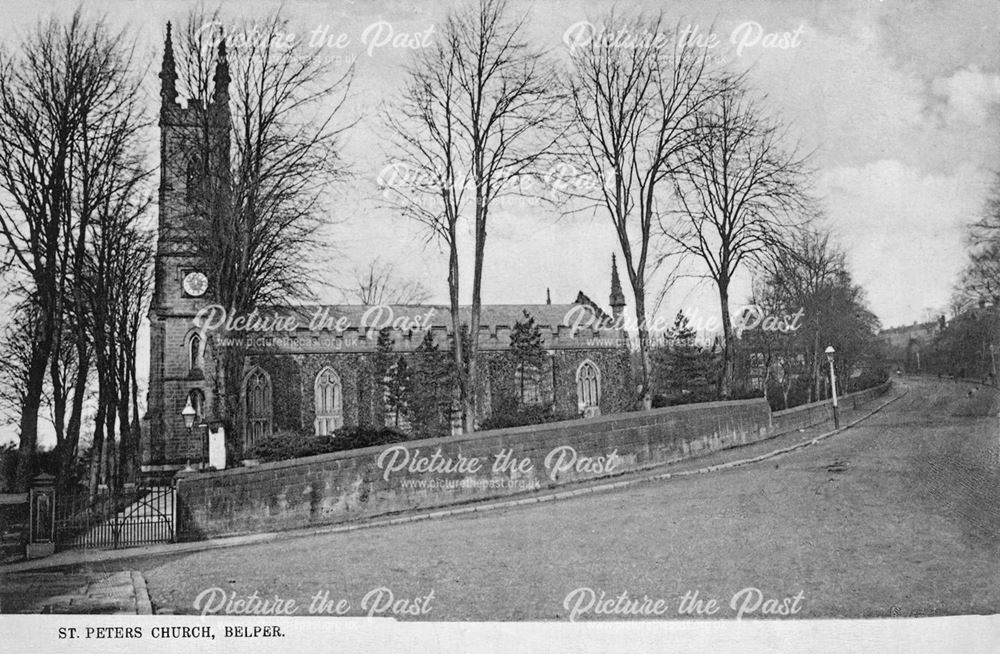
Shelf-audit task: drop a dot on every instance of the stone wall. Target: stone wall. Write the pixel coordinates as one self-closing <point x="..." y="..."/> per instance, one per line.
<point x="807" y="415"/>
<point x="359" y="484"/>
<point x="377" y="481"/>
<point x="14" y="525"/>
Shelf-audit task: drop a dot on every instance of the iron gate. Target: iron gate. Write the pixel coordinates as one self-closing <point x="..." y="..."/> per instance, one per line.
<point x="134" y="515"/>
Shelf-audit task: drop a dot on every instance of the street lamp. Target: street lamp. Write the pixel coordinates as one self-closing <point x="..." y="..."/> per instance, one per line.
<point x="188" y="413"/>
<point x="833" y="385"/>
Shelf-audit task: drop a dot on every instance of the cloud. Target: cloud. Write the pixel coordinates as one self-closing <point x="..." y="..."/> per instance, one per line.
<point x="903" y="228"/>
<point x="966" y="97"/>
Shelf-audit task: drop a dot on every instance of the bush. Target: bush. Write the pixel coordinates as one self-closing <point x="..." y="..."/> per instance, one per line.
<point x="354" y="438"/>
<point x="280" y="446"/>
<point x="530" y="415"/>
<point x="798" y="394"/>
<point x="661" y="400"/>
<point x="286" y="445"/>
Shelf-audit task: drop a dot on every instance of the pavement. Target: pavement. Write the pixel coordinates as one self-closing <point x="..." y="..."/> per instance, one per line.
<point x="108" y="581"/>
<point x="119" y="593"/>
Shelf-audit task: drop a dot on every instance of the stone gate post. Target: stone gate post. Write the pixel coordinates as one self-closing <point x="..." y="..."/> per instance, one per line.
<point x="42" y="530"/>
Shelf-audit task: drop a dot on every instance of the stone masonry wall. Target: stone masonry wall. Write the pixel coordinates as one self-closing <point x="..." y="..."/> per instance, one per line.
<point x="348" y="486"/>
<point x="361" y="484"/>
<point x="808" y="415"/>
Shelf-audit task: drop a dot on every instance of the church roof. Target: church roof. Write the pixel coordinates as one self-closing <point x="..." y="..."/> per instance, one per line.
<point x="439" y="315"/>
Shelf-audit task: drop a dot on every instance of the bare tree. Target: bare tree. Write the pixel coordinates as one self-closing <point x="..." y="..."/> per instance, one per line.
<point x="378" y="284"/>
<point x="259" y="201"/>
<point x="429" y="181"/>
<point x="986" y="229"/>
<point x="118" y="289"/>
<point x="981" y="277"/>
<point x="633" y="112"/>
<point x="69" y="86"/>
<point x="739" y="196"/>
<point x="470" y="124"/>
<point x="16" y="353"/>
<point x="802" y="275"/>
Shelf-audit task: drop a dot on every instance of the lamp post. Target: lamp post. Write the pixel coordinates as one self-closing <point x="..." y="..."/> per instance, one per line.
<point x="833" y="385"/>
<point x="993" y="357"/>
<point x="188" y="413"/>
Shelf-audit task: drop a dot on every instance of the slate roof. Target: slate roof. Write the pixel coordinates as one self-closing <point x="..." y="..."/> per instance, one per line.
<point x="438" y="315"/>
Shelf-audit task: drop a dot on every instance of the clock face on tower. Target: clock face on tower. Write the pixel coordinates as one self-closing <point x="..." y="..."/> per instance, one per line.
<point x="195" y="284"/>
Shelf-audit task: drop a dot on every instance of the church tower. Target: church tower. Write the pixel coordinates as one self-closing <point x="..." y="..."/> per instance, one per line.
<point x="617" y="299"/>
<point x="194" y="142"/>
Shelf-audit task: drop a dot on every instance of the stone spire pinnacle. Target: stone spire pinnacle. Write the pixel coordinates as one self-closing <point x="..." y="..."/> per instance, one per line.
<point x="222" y="78"/>
<point x="617" y="299"/>
<point x="548" y="296"/>
<point x="168" y="71"/>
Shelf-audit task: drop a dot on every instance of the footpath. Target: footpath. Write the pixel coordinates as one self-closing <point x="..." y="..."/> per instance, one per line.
<point x="75" y="592"/>
<point x="67" y="582"/>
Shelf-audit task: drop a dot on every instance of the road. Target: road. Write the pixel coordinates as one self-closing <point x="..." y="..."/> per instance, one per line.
<point x="898" y="516"/>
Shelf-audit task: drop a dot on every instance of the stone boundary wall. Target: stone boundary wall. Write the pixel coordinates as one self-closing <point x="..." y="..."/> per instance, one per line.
<point x="375" y="481"/>
<point x="14" y="519"/>
<point x="413" y="475"/>
<point x="808" y="415"/>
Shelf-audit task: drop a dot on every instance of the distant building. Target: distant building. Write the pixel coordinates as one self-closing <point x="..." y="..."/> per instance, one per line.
<point x="908" y="343"/>
<point x="901" y="337"/>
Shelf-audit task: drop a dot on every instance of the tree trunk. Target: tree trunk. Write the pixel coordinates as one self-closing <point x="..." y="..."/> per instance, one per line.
<point x="68" y="455"/>
<point x="471" y="396"/>
<point x="109" y="463"/>
<point x="817" y="377"/>
<point x="126" y="447"/>
<point x="233" y="361"/>
<point x="97" y="447"/>
<point x="136" y="429"/>
<point x="58" y="396"/>
<point x="29" y="415"/>
<point x="767" y="376"/>
<point x="646" y="394"/>
<point x="456" y="325"/>
<point x="108" y="452"/>
<point x="32" y="399"/>
<point x="728" y="346"/>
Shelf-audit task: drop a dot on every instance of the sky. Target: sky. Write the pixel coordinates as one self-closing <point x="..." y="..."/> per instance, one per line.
<point x="898" y="101"/>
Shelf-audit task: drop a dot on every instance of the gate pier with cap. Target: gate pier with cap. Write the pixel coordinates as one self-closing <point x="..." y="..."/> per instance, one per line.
<point x="113" y="518"/>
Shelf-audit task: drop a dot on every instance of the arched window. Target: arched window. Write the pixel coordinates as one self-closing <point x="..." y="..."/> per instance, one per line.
<point x="197" y="399"/>
<point x="528" y="377"/>
<point x="329" y="409"/>
<point x="195" y="353"/>
<point x="588" y="387"/>
<point x="257" y="399"/>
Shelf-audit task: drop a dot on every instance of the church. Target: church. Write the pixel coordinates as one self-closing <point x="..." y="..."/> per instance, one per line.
<point x="320" y="374"/>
